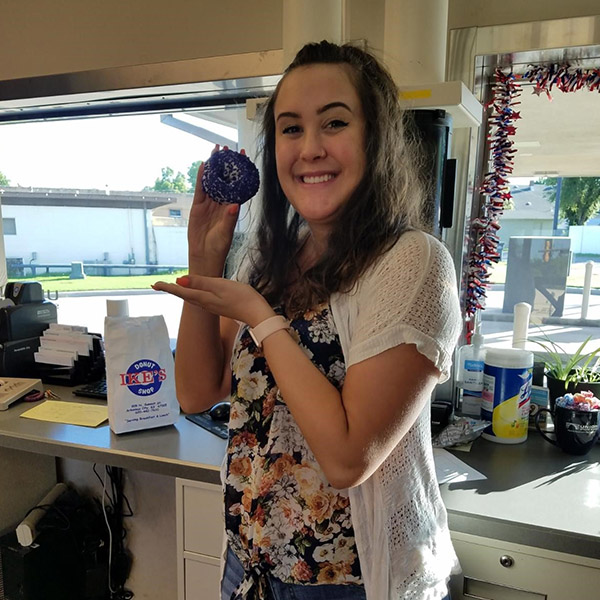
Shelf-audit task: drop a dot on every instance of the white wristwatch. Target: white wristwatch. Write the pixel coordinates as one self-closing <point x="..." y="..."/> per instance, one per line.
<point x="265" y="328"/>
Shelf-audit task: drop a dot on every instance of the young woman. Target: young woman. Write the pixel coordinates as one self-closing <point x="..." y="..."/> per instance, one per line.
<point x="349" y="319"/>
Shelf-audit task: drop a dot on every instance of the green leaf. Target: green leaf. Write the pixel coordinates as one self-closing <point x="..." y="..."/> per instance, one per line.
<point x="568" y="367"/>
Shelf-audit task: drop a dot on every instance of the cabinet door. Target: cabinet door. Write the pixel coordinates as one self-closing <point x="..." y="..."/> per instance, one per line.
<point x="200" y="531"/>
<point x="203" y="519"/>
<point x="202" y="578"/>
<point x="501" y="571"/>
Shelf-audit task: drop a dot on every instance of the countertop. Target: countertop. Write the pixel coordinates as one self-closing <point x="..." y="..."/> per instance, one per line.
<point x="533" y="494"/>
<point x="181" y="450"/>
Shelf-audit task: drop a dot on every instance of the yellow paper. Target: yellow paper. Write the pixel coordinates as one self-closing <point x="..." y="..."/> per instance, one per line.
<point x="73" y="413"/>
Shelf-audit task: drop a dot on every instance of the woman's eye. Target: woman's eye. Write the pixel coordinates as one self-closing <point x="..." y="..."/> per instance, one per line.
<point x="291" y="129"/>
<point x="337" y="124"/>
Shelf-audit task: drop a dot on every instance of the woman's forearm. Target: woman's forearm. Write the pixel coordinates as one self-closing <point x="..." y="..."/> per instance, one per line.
<point x="352" y="432"/>
<point x="199" y="356"/>
<point x="315" y="404"/>
<point x="199" y="360"/>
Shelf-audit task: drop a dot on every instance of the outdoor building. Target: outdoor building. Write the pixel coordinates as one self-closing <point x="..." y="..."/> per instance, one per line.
<point x="102" y="227"/>
<point x="585" y="239"/>
<point x="533" y="213"/>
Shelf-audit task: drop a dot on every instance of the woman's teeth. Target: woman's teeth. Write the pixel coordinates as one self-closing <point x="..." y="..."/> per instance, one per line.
<point x="319" y="179"/>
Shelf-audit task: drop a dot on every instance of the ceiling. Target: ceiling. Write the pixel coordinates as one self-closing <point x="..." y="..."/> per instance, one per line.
<point x="558" y="137"/>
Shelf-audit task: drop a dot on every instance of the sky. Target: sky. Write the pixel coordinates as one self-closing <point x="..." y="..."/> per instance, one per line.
<point x="115" y="153"/>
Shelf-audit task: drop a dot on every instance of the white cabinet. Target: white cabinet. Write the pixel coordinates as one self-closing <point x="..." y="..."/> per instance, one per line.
<point x="201" y="577"/>
<point x="497" y="570"/>
<point x="200" y="530"/>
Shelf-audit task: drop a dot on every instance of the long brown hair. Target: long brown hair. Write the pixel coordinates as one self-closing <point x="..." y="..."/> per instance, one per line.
<point x="386" y="202"/>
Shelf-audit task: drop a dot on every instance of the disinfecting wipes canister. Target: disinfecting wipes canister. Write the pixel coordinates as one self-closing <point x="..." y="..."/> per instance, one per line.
<point x="506" y="393"/>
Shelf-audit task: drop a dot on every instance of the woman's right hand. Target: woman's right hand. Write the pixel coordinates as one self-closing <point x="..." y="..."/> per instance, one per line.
<point x="210" y="231"/>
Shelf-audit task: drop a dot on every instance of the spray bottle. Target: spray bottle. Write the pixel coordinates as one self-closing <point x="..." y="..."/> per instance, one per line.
<point x="470" y="360"/>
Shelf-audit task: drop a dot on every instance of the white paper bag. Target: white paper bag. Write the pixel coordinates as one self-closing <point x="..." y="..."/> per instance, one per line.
<point x="140" y="373"/>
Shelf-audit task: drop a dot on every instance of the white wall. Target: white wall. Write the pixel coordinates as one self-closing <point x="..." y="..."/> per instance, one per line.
<point x="42" y="38"/>
<point x="585" y="239"/>
<point x="71" y="35"/>
<point x="482" y="13"/>
<point x="515" y="227"/>
<point x="61" y="234"/>
<point x="151" y="533"/>
<point x="171" y="245"/>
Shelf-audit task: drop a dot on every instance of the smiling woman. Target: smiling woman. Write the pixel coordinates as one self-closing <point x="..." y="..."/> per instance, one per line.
<point x="340" y="290"/>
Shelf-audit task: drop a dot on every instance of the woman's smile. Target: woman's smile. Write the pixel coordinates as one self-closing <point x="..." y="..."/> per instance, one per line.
<point x="317" y="178"/>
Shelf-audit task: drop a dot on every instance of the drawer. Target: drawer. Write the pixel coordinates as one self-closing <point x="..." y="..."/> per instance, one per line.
<point x="202" y="578"/>
<point x="203" y="524"/>
<point x="500" y="571"/>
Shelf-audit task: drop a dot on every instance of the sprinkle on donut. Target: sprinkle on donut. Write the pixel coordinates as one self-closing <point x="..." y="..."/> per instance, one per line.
<point x="230" y="177"/>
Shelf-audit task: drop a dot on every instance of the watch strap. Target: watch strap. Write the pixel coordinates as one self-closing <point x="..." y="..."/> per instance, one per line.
<point x="265" y="328"/>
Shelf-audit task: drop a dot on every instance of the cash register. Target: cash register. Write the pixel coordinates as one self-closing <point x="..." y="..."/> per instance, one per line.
<point x="24" y="315"/>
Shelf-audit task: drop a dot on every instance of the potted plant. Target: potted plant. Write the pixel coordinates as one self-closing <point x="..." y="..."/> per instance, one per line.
<point x="570" y="373"/>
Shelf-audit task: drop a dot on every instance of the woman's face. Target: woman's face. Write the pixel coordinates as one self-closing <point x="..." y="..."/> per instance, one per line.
<point x="319" y="141"/>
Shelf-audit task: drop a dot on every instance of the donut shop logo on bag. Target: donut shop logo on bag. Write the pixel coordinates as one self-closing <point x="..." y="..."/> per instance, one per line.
<point x="143" y="377"/>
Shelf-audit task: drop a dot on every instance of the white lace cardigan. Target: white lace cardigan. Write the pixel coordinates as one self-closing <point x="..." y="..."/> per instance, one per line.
<point x="408" y="296"/>
<point x="400" y="522"/>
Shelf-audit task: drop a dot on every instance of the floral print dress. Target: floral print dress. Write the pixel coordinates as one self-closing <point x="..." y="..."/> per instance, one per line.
<point x="281" y="514"/>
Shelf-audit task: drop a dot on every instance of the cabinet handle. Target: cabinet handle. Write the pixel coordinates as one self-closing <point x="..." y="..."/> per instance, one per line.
<point x="507" y="561"/>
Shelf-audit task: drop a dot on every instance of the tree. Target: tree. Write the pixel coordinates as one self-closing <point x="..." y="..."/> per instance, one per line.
<point x="193" y="173"/>
<point x="169" y="182"/>
<point x="4" y="179"/>
<point x="579" y="197"/>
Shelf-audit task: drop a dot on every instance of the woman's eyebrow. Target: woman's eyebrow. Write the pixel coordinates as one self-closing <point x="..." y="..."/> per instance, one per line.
<point x="293" y="115"/>
<point x="333" y="105"/>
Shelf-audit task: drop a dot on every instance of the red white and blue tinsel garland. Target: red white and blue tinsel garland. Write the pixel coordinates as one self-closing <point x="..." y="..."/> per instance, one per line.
<point x="495" y="187"/>
<point x="565" y="77"/>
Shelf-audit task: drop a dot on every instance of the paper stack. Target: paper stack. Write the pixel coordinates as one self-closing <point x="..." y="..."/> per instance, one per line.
<point x="63" y="344"/>
<point x="68" y="353"/>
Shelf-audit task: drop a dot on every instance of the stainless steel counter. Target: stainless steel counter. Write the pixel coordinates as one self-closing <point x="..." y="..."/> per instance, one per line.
<point x="534" y="494"/>
<point x="181" y="450"/>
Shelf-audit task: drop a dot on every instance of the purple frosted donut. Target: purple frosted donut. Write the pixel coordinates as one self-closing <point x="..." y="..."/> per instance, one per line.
<point x="230" y="177"/>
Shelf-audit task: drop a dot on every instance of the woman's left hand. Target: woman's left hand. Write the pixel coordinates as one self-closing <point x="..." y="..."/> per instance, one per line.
<point x="220" y="296"/>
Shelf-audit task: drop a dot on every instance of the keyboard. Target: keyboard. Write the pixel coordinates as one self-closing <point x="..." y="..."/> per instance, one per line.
<point x="204" y="420"/>
<point x="96" y="389"/>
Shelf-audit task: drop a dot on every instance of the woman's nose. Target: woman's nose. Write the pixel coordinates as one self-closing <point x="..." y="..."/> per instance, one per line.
<point x="312" y="146"/>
